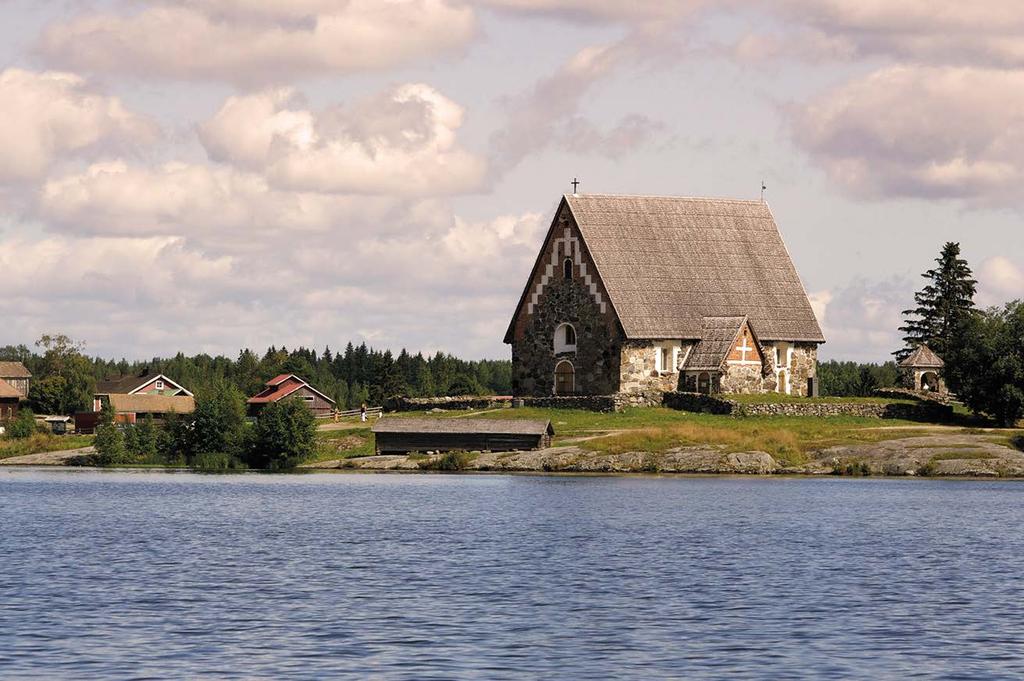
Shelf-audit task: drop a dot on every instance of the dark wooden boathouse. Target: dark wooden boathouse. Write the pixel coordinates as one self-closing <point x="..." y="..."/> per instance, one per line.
<point x="401" y="435"/>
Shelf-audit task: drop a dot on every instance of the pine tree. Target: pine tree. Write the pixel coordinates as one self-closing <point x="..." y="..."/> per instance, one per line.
<point x="941" y="305"/>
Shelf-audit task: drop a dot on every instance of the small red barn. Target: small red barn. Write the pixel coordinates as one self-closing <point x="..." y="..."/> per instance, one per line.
<point x="290" y="386"/>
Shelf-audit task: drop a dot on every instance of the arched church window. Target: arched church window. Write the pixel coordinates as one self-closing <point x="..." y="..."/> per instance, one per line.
<point x="565" y="338"/>
<point x="567" y="268"/>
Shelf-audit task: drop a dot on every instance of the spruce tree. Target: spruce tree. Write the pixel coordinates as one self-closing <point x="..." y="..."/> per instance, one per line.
<point x="941" y="305"/>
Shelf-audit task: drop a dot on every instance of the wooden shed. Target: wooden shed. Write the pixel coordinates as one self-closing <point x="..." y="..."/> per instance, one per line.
<point x="401" y="435"/>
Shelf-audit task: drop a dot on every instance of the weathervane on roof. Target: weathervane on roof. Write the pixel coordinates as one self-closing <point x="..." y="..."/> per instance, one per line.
<point x="763" y="187"/>
<point x="575" y="183"/>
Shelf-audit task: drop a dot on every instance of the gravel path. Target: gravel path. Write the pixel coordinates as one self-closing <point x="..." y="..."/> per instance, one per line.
<point x="46" y="458"/>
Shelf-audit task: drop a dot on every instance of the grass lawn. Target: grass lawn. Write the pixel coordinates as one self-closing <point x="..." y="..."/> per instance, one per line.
<point x="657" y="429"/>
<point x="343" y="444"/>
<point x="42" y="442"/>
<point x="789" y="439"/>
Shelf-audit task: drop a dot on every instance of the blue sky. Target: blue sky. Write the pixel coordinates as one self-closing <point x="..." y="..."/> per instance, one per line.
<point x="206" y="175"/>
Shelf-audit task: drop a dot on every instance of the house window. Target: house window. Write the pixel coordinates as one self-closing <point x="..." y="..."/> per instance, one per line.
<point x="565" y="338"/>
<point x="159" y="385"/>
<point x="565" y="378"/>
<point x="567" y="268"/>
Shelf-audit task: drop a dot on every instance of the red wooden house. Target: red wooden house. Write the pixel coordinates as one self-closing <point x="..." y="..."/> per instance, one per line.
<point x="290" y="386"/>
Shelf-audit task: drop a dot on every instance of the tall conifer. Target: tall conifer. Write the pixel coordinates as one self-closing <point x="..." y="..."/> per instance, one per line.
<point x="941" y="305"/>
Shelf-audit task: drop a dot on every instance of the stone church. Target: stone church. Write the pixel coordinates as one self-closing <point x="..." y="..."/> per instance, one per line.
<point x="644" y="294"/>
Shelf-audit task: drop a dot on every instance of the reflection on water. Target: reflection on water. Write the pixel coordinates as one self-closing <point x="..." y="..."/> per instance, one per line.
<point x="124" y="574"/>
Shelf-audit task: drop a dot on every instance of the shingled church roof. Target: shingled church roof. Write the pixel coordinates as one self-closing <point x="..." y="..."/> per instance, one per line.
<point x="669" y="262"/>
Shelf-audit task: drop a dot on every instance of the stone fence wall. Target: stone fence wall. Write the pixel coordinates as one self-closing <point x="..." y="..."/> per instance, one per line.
<point x="924" y="410"/>
<point x="454" y="403"/>
<point x="601" y="403"/>
<point x="921" y="411"/>
<point x="698" y="402"/>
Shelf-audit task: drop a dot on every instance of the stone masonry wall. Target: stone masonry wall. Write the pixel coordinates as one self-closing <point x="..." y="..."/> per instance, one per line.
<point x="744" y="379"/>
<point x="638" y="374"/>
<point x="804" y="365"/>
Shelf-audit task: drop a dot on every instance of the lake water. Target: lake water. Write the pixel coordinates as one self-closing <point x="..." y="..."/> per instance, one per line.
<point x="156" y="575"/>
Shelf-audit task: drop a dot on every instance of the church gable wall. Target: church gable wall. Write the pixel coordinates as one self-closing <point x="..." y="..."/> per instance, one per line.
<point x="551" y="301"/>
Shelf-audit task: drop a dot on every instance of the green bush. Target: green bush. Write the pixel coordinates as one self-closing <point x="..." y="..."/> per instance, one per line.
<point x="852" y="468"/>
<point x="216" y="461"/>
<point x="23" y="426"/>
<point x="284" y="436"/>
<point x="449" y="461"/>
<point x="110" y="445"/>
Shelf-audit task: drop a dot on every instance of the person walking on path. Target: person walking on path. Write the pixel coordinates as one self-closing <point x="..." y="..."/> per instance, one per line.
<point x="362" y="412"/>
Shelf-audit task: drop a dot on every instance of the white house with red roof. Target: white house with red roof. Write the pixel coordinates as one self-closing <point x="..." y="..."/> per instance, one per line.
<point x="290" y="386"/>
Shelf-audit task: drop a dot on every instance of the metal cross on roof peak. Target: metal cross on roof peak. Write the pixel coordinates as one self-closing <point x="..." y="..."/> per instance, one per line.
<point x="575" y="183"/>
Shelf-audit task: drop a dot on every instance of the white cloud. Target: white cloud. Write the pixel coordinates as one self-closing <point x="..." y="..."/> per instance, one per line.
<point x="916" y="131"/>
<point x="861" y="320"/>
<point x="400" y="142"/>
<point x="450" y="286"/>
<point x="50" y="115"/>
<point x="603" y="10"/>
<point x="948" y="32"/>
<point x="175" y="199"/>
<point x="256" y="41"/>
<point x="1000" y="280"/>
<point x="548" y="115"/>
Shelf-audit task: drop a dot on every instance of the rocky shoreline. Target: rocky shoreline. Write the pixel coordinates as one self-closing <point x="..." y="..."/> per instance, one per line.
<point x="939" y="455"/>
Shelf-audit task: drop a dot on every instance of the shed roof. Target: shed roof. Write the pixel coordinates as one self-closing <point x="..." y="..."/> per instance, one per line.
<point x="152" y="404"/>
<point x="8" y="391"/>
<point x="668" y="262"/>
<point x="716" y="341"/>
<point x="464" y="426"/>
<point x="923" y="356"/>
<point x="14" y="370"/>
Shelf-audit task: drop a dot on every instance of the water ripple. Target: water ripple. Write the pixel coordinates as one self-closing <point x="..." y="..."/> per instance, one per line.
<point x="132" y="575"/>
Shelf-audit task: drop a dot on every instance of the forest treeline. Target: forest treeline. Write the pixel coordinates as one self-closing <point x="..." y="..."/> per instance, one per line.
<point x="64" y="375"/>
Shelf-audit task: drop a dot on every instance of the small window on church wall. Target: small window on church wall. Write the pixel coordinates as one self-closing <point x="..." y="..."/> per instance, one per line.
<point x="565" y="338"/>
<point x="567" y="268"/>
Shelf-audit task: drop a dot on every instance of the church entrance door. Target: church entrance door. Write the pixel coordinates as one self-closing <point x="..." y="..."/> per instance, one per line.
<point x="565" y="378"/>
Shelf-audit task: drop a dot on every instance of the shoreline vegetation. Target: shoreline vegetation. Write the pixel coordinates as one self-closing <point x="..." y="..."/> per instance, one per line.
<point x="653" y="441"/>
